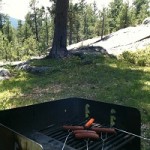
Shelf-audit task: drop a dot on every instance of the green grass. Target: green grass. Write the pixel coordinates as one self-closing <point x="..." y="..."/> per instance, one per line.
<point x="100" y="78"/>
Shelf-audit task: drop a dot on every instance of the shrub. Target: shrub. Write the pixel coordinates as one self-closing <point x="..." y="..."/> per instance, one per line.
<point x="140" y="57"/>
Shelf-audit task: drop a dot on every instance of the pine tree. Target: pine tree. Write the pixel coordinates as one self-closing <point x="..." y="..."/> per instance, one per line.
<point x="33" y="17"/>
<point x="20" y="32"/>
<point x="132" y="16"/>
<point x="139" y="4"/>
<point x="8" y="30"/>
<point x="73" y="23"/>
<point x="70" y="22"/>
<point x="26" y="31"/>
<point x="1" y="24"/>
<point x="144" y="13"/>
<point x="114" y="10"/>
<point x="1" y="46"/>
<point x="123" y="19"/>
<point x="59" y="45"/>
<point x="45" y="33"/>
<point x="103" y="23"/>
<point x="2" y="16"/>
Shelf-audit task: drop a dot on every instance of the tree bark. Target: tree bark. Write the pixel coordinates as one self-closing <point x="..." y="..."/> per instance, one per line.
<point x="70" y="29"/>
<point x="103" y="22"/>
<point x="59" y="45"/>
<point x="36" y="26"/>
<point x="47" y="36"/>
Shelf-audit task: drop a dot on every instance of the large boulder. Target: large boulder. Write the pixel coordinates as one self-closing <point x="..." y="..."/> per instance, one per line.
<point x="127" y="39"/>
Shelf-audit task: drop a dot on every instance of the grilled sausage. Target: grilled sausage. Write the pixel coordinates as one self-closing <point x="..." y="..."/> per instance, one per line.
<point x="83" y="131"/>
<point x="89" y="123"/>
<point x="92" y="136"/>
<point x="104" y="130"/>
<point x="73" y="127"/>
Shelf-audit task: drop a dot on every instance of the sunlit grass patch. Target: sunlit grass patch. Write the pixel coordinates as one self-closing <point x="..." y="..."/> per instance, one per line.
<point x="93" y="77"/>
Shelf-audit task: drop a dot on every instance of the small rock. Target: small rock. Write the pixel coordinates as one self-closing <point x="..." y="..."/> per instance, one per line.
<point x="32" y="69"/>
<point x="146" y="21"/>
<point x="4" y="74"/>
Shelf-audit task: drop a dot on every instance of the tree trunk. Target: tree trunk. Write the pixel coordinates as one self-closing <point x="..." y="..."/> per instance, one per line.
<point x="103" y="22"/>
<point x="47" y="36"/>
<point x="36" y="26"/>
<point x="1" y="24"/>
<point x="70" y="30"/>
<point x="59" y="49"/>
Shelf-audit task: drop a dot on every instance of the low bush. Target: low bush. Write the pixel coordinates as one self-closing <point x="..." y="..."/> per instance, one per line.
<point x="140" y="57"/>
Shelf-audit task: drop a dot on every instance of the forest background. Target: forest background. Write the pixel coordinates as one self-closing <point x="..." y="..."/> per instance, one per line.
<point x="34" y="36"/>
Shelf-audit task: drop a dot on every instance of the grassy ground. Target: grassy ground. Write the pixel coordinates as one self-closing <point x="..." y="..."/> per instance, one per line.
<point x="100" y="78"/>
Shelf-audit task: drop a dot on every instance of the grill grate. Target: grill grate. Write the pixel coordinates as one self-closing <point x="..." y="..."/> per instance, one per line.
<point x="55" y="136"/>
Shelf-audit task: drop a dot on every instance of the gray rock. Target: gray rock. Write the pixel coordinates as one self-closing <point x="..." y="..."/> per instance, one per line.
<point x="23" y="67"/>
<point x="32" y="69"/>
<point x="127" y="39"/>
<point x="4" y="74"/>
<point x="146" y="21"/>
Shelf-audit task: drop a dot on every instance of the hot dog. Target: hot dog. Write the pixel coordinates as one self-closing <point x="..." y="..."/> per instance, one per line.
<point x="73" y="127"/>
<point x="83" y="131"/>
<point x="103" y="130"/>
<point x="87" y="135"/>
<point x="89" y="123"/>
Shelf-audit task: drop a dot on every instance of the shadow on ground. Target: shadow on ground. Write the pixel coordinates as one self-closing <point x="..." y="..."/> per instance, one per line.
<point x="109" y="81"/>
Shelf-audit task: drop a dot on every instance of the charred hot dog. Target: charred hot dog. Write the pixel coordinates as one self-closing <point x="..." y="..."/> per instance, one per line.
<point x="103" y="130"/>
<point x="83" y="131"/>
<point x="87" y="135"/>
<point x="66" y="127"/>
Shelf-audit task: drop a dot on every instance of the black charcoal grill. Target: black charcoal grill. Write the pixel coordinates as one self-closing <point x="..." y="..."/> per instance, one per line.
<point x="39" y="127"/>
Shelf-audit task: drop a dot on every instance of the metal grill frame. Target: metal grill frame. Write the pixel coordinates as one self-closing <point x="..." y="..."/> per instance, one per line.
<point x="26" y="120"/>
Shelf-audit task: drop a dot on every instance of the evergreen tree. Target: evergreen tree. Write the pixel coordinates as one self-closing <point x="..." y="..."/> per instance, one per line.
<point x="123" y="19"/>
<point x="27" y="31"/>
<point x="95" y="9"/>
<point x="144" y="13"/>
<point x="1" y="24"/>
<point x="73" y="23"/>
<point x="45" y="30"/>
<point x="139" y="4"/>
<point x="59" y="49"/>
<point x="33" y="17"/>
<point x="70" y="22"/>
<point x="132" y="16"/>
<point x="102" y="24"/>
<point x="29" y="48"/>
<point x="85" y="21"/>
<point x="77" y="26"/>
<point x="1" y="46"/>
<point x="8" y="30"/>
<point x="2" y="16"/>
<point x="20" y="31"/>
<point x="114" y="10"/>
<point x="89" y="22"/>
